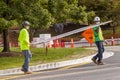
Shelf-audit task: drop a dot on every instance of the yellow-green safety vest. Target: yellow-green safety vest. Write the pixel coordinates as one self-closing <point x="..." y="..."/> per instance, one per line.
<point x="24" y="39"/>
<point x="98" y="36"/>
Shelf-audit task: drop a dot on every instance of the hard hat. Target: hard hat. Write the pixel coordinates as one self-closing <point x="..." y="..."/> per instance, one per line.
<point x="97" y="19"/>
<point x="25" y="23"/>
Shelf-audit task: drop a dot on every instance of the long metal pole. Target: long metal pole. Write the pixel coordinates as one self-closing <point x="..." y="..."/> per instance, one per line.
<point x="72" y="32"/>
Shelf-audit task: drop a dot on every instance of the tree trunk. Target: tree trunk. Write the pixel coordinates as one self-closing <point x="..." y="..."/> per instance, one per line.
<point x="6" y="47"/>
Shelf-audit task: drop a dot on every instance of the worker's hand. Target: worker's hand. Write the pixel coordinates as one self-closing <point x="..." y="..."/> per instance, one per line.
<point x="32" y="45"/>
<point x="106" y="42"/>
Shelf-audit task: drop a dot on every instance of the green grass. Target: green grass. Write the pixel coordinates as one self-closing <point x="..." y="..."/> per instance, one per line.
<point x="40" y="57"/>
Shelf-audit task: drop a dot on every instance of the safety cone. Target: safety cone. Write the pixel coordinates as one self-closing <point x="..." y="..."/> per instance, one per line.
<point x="62" y="44"/>
<point x="112" y="42"/>
<point x="57" y="43"/>
<point x="72" y="43"/>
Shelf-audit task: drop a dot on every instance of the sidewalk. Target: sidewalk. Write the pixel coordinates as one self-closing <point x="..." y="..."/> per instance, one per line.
<point x="54" y="65"/>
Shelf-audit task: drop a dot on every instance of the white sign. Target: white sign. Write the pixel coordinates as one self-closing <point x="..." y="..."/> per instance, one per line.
<point x="44" y="37"/>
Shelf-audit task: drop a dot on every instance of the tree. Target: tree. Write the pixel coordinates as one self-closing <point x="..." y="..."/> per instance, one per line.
<point x="34" y="12"/>
<point x="63" y="10"/>
<point x="105" y="9"/>
<point x="58" y="9"/>
<point x="78" y="14"/>
<point x="15" y="11"/>
<point x="5" y="22"/>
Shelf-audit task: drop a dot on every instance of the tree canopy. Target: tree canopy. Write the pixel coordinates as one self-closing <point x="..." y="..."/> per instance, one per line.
<point x="43" y="13"/>
<point x="105" y="9"/>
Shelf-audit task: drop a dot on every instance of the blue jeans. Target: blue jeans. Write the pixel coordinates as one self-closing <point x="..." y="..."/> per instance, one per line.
<point x="27" y="56"/>
<point x="100" y="47"/>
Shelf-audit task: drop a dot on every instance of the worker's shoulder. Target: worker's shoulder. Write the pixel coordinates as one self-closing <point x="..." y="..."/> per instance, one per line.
<point x="23" y="30"/>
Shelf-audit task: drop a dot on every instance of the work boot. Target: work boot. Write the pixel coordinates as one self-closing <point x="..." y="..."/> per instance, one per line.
<point x="100" y="63"/>
<point x="28" y="72"/>
<point x="94" y="60"/>
<point x="22" y="70"/>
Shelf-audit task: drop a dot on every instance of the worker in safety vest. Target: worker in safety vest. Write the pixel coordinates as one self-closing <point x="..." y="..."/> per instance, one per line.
<point x="98" y="39"/>
<point x="24" y="46"/>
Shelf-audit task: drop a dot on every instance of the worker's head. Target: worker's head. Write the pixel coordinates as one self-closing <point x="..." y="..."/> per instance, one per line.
<point x="26" y="24"/>
<point x="97" y="20"/>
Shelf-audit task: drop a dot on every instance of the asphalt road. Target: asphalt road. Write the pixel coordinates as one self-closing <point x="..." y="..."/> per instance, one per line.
<point x="109" y="71"/>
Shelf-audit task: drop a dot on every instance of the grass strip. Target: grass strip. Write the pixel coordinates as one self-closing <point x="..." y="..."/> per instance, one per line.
<point x="40" y="57"/>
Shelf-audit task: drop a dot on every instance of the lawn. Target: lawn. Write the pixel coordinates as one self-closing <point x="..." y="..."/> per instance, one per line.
<point x="40" y="57"/>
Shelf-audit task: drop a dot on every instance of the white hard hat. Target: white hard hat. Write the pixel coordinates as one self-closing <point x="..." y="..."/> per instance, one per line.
<point x="97" y="19"/>
<point x="25" y="23"/>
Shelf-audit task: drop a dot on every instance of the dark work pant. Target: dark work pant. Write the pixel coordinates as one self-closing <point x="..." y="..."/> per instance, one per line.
<point x="27" y="56"/>
<point x="100" y="47"/>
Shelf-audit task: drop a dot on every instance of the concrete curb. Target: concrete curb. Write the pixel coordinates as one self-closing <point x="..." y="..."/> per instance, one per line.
<point x="54" y="64"/>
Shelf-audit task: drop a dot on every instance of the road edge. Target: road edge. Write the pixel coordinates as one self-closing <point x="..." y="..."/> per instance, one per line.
<point x="54" y="65"/>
